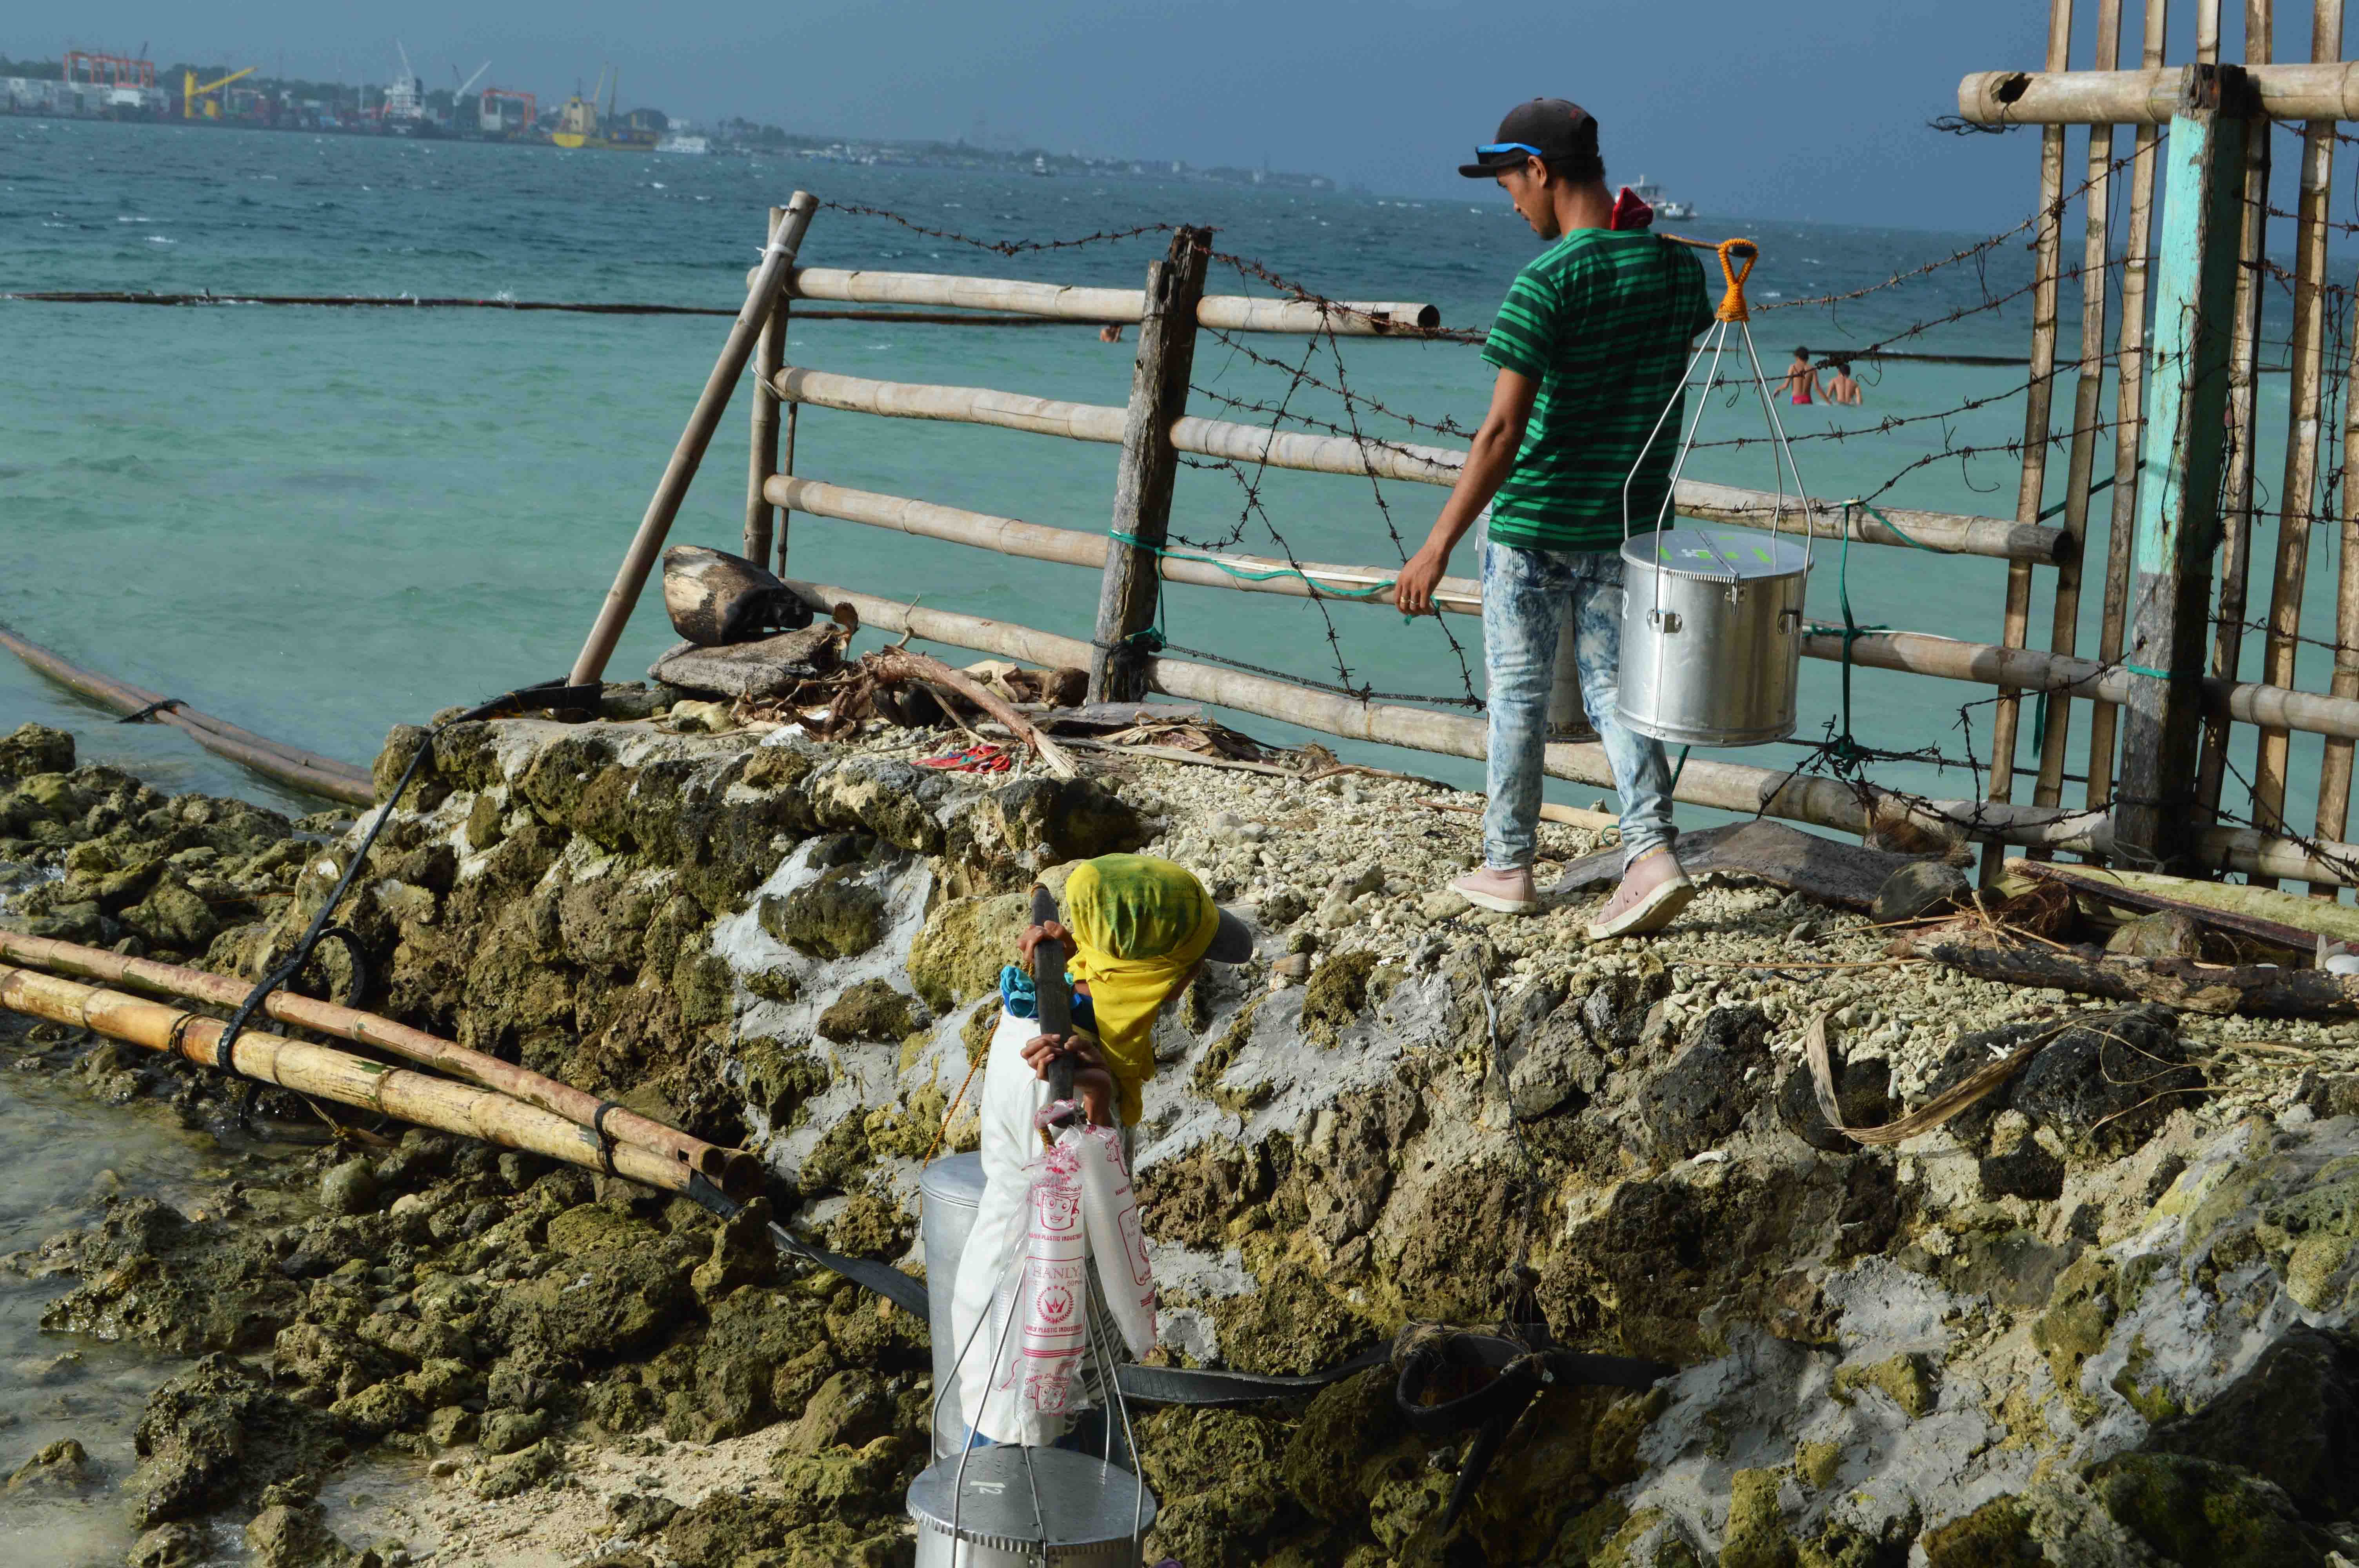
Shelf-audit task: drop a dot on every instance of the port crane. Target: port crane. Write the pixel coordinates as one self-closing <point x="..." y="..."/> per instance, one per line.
<point x="191" y="92"/>
<point x="462" y="93"/>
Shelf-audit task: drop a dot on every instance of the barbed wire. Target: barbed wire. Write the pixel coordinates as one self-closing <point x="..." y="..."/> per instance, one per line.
<point x="998" y="247"/>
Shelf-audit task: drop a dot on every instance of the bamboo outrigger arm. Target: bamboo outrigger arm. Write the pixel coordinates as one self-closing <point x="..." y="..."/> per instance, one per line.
<point x="298" y="769"/>
<point x="733" y="1170"/>
<point x="325" y="1073"/>
<point x="2329" y="92"/>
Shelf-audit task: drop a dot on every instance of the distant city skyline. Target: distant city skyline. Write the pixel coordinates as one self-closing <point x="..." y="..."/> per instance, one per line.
<point x="1816" y="112"/>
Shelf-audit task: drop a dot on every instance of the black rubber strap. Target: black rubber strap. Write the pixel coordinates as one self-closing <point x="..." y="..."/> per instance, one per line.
<point x="525" y="699"/>
<point x="176" y="1043"/>
<point x="605" y="1139"/>
<point x="1203" y="1386"/>
<point x="160" y="705"/>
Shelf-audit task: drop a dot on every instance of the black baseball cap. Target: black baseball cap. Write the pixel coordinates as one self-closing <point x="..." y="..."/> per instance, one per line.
<point x="1547" y="128"/>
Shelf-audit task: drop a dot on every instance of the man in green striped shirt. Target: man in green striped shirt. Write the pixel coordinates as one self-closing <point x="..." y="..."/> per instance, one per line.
<point x="1591" y="345"/>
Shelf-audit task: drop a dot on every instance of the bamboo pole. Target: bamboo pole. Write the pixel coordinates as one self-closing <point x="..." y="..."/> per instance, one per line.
<point x="299" y="770"/>
<point x="1988" y="663"/>
<point x="640" y="559"/>
<point x="1129" y="589"/>
<point x="2298" y="494"/>
<point x="2334" y="770"/>
<point x="1911" y="652"/>
<point x="1221" y="312"/>
<point x="2236" y="539"/>
<point x="2129" y="414"/>
<point x="341" y="1077"/>
<point x="1073" y="547"/>
<point x="734" y="1171"/>
<point x="1728" y="787"/>
<point x="1947" y="532"/>
<point x="2147" y="97"/>
<point x="2317" y="163"/>
<point x="2156" y="813"/>
<point x="769" y="357"/>
<point x="2088" y="395"/>
<point x="2048" y="251"/>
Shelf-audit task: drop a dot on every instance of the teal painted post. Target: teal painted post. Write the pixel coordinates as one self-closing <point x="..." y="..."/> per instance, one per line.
<point x="2154" y="803"/>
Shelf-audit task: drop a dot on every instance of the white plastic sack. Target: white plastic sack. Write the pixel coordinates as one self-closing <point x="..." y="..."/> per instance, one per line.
<point x="1110" y="1213"/>
<point x="1079" y="1206"/>
<point x="1052" y="1298"/>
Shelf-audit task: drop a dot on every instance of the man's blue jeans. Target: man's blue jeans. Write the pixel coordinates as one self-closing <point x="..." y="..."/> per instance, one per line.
<point x="1526" y="596"/>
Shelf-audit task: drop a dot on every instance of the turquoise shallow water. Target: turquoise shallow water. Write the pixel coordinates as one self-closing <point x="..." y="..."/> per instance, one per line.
<point x="318" y="522"/>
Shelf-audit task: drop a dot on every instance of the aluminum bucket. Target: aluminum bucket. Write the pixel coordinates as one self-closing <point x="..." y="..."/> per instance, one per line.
<point x="952" y="1191"/>
<point x="1020" y="1508"/>
<point x="1712" y="635"/>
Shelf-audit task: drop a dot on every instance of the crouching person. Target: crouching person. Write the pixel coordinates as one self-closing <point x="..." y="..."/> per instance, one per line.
<point x="1138" y="929"/>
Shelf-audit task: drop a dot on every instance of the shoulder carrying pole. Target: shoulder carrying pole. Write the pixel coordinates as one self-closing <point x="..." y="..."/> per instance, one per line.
<point x="1055" y="1002"/>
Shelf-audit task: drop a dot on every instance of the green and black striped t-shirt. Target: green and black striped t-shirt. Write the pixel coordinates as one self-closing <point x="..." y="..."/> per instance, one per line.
<point x="1603" y="321"/>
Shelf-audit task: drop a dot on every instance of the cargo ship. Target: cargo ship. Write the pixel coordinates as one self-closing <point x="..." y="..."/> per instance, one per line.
<point x="579" y="124"/>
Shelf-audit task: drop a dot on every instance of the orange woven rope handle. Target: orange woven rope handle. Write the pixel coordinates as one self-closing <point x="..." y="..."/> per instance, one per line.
<point x="1731" y="304"/>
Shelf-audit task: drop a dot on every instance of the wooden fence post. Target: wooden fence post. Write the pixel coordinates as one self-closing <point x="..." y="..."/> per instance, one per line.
<point x="769" y="356"/>
<point x="2156" y="819"/>
<point x="1142" y="490"/>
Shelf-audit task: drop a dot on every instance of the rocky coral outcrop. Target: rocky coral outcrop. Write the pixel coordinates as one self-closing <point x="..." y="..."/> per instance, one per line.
<point x="2104" y="1317"/>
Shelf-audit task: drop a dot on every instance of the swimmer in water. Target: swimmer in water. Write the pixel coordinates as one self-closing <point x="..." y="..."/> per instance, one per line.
<point x="1841" y="385"/>
<point x="1801" y="381"/>
<point x="1109" y="334"/>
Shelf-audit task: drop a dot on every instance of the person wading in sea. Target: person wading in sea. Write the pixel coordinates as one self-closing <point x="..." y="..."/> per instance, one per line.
<point x="1841" y="387"/>
<point x="1591" y="344"/>
<point x="1801" y="381"/>
<point x="1138" y="929"/>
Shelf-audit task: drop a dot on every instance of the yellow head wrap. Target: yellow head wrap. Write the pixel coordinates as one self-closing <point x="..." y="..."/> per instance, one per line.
<point x="1139" y="925"/>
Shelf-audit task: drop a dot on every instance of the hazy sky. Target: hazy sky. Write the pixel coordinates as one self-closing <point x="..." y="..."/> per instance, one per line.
<point x="1789" y="109"/>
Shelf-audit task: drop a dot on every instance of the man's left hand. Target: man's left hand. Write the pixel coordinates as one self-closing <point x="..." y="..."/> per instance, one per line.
<point x="1413" y="590"/>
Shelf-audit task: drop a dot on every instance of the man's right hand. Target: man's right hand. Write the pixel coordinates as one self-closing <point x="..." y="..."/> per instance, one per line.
<point x="1413" y="590"/>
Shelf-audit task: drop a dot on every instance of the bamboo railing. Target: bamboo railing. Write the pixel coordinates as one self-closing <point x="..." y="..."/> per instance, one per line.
<point x="1908" y="653"/>
<point x="1945" y="531"/>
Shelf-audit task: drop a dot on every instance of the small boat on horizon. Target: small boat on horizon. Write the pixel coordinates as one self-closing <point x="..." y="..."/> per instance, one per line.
<point x="1665" y="206"/>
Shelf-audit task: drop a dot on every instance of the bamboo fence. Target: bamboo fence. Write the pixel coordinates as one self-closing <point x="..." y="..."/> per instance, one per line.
<point x="2141" y="719"/>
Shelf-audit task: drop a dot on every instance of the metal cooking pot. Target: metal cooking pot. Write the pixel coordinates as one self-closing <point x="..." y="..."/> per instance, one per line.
<point x="1712" y="635"/>
<point x="1022" y="1507"/>
<point x="952" y="1194"/>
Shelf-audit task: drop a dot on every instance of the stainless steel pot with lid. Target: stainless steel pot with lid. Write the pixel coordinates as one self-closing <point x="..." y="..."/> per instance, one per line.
<point x="1712" y="634"/>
